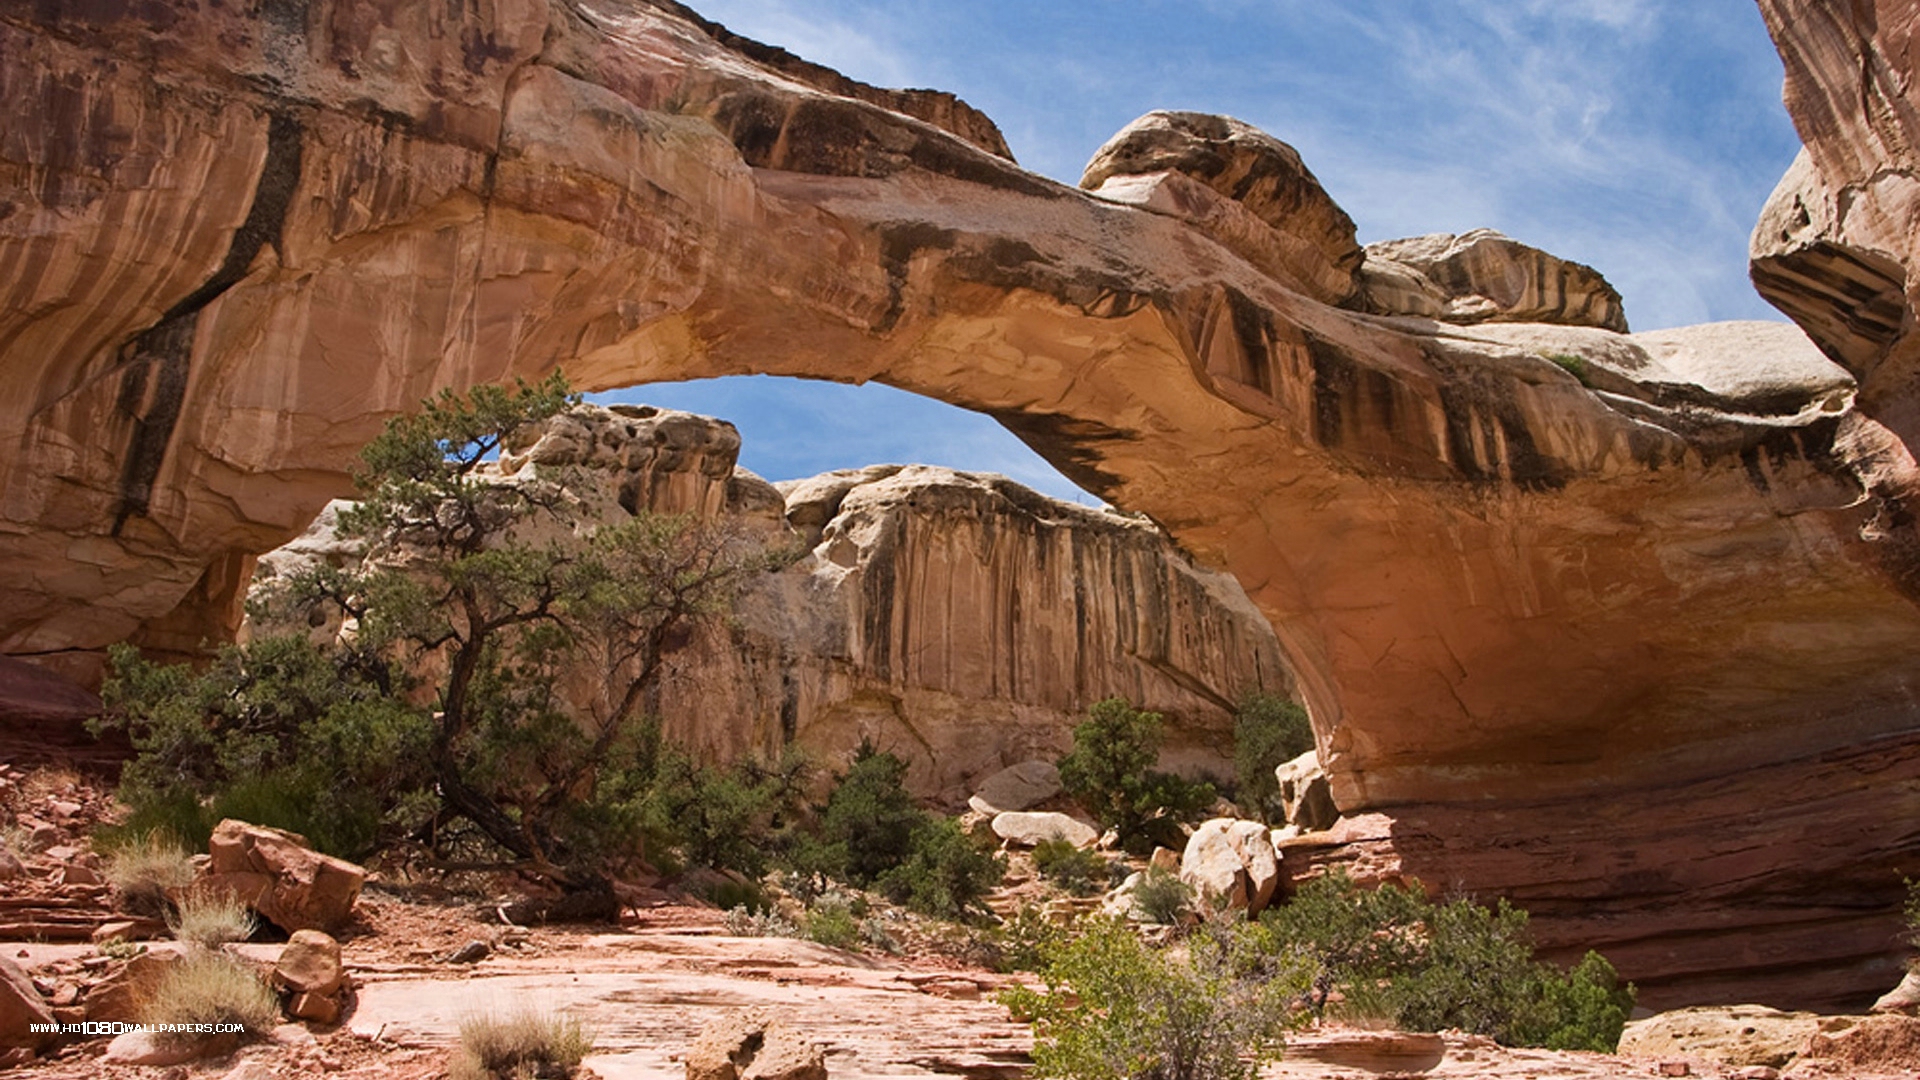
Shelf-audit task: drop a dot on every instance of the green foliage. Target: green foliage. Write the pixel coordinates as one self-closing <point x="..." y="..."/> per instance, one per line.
<point x="1393" y="955"/>
<point x="1078" y="871"/>
<point x="947" y="872"/>
<point x="278" y="732"/>
<point x="332" y="740"/>
<point x="868" y="824"/>
<point x="1573" y="365"/>
<point x="1110" y="771"/>
<point x="1027" y="938"/>
<point x="1161" y="897"/>
<point x="831" y="922"/>
<point x="1114" y="1008"/>
<point x="1269" y="731"/>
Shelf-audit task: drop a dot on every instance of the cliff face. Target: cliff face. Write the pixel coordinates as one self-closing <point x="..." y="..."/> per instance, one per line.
<point x="1519" y="569"/>
<point x="957" y="619"/>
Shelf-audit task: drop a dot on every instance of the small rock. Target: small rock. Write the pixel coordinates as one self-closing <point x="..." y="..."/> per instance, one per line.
<point x="10" y="866"/>
<point x="315" y="1007"/>
<point x="40" y="835"/>
<point x="310" y="964"/>
<point x="293" y="1035"/>
<point x="64" y="995"/>
<point x="75" y="874"/>
<point x="747" y="1046"/>
<point x="1904" y="998"/>
<point x="60" y="852"/>
<point x="1031" y="829"/>
<point x="249" y="1070"/>
<point x="1675" y="1068"/>
<point x="19" y="1055"/>
<point x="118" y="930"/>
<point x="471" y="953"/>
<point x="62" y="808"/>
<point x="1165" y="859"/>
<point x="1755" y="1072"/>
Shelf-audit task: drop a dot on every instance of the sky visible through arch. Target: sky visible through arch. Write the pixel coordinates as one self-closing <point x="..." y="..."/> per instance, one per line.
<point x="1638" y="136"/>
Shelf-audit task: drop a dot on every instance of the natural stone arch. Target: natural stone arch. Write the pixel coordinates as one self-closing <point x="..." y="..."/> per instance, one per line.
<point x="258" y="238"/>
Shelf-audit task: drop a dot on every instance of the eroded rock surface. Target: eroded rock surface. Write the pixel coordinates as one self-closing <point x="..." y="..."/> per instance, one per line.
<point x="237" y="239"/>
<point x="958" y="620"/>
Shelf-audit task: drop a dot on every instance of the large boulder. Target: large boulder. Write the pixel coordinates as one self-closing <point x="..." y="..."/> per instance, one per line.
<point x="1728" y="1035"/>
<point x="1017" y="787"/>
<point x="21" y="1008"/>
<point x="310" y="964"/>
<point x="1030" y="828"/>
<point x="752" y="1046"/>
<point x="1483" y="276"/>
<point x="1233" y="862"/>
<point x="1306" y="798"/>
<point x="277" y="874"/>
<point x="1241" y="186"/>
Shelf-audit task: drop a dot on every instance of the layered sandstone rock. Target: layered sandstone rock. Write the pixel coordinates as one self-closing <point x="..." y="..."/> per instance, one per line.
<point x="237" y="239"/>
<point x="1482" y="276"/>
<point x="959" y="620"/>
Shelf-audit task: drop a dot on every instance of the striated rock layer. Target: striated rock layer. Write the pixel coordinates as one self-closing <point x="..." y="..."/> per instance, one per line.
<point x="959" y="620"/>
<point x="1520" y="570"/>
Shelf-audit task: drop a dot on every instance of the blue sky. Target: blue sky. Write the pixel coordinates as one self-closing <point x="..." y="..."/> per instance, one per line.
<point x="1638" y="136"/>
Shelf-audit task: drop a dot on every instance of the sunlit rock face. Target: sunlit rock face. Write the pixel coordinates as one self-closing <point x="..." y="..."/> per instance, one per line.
<point x="958" y="620"/>
<point x="1522" y="571"/>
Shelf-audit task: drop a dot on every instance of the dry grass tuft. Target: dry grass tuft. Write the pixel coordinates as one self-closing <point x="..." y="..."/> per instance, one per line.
<point x="143" y="871"/>
<point x="213" y="988"/>
<point x="519" y="1047"/>
<point x="210" y="919"/>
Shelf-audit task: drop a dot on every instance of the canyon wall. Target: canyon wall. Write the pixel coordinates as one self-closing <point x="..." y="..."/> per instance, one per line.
<point x="1523" y="570"/>
<point x="958" y="620"/>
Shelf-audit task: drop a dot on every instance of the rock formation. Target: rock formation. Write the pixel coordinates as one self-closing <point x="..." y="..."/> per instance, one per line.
<point x="956" y="619"/>
<point x="1521" y="571"/>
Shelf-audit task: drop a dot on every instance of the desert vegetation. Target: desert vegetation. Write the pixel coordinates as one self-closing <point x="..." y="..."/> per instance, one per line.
<point x="1112" y="772"/>
<point x="519" y="1046"/>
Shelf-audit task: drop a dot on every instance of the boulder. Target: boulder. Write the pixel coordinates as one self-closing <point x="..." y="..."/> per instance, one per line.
<point x="1729" y="1035"/>
<point x="310" y="964"/>
<point x="1904" y="998"/>
<point x="278" y="875"/>
<point x="1017" y="787"/>
<point x="1484" y="276"/>
<point x="1031" y="829"/>
<point x="1305" y="795"/>
<point x="123" y="994"/>
<point x="1307" y="240"/>
<point x="21" y="1007"/>
<point x="1233" y="862"/>
<point x="750" y="1046"/>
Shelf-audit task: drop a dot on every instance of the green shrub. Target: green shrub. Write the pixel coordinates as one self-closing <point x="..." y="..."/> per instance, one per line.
<point x="1114" y="1008"/>
<point x="212" y="988"/>
<point x="1393" y="955"/>
<point x="1268" y="732"/>
<point x="1074" y="869"/>
<point x="519" y="1047"/>
<point x="868" y="824"/>
<point x="142" y="870"/>
<point x="1161" y="897"/>
<point x="1110" y="772"/>
<point x="947" y="874"/>
<point x="1575" y="366"/>
<point x="1027" y="938"/>
<point x="831" y="922"/>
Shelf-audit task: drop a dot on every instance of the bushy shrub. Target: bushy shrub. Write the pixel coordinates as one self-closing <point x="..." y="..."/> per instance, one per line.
<point x="143" y="869"/>
<point x="1161" y="897"/>
<point x="1114" y="1008"/>
<point x="867" y="826"/>
<point x="205" y="987"/>
<point x="519" y="1047"/>
<point x="1110" y="772"/>
<point x="1269" y="731"/>
<point x="1393" y="955"/>
<point x="947" y="872"/>
<point x="831" y="922"/>
<point x="1077" y="870"/>
<point x="211" y="918"/>
<point x="1027" y="938"/>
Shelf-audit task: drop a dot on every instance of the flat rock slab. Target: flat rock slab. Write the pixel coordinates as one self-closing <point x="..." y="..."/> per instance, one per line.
<point x="647" y="997"/>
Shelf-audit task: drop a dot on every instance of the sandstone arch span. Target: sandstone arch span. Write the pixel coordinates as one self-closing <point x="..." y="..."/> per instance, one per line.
<point x="236" y="242"/>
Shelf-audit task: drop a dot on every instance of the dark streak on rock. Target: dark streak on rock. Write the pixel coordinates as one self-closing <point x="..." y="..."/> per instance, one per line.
<point x="156" y="361"/>
<point x="1071" y="444"/>
<point x="898" y="246"/>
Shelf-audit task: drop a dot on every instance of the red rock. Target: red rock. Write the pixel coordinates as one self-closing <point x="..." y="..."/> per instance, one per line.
<point x="310" y="964"/>
<point x="278" y="875"/>
<point x="21" y="1007"/>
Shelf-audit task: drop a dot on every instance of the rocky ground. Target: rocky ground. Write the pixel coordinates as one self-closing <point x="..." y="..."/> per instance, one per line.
<point x="649" y="985"/>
